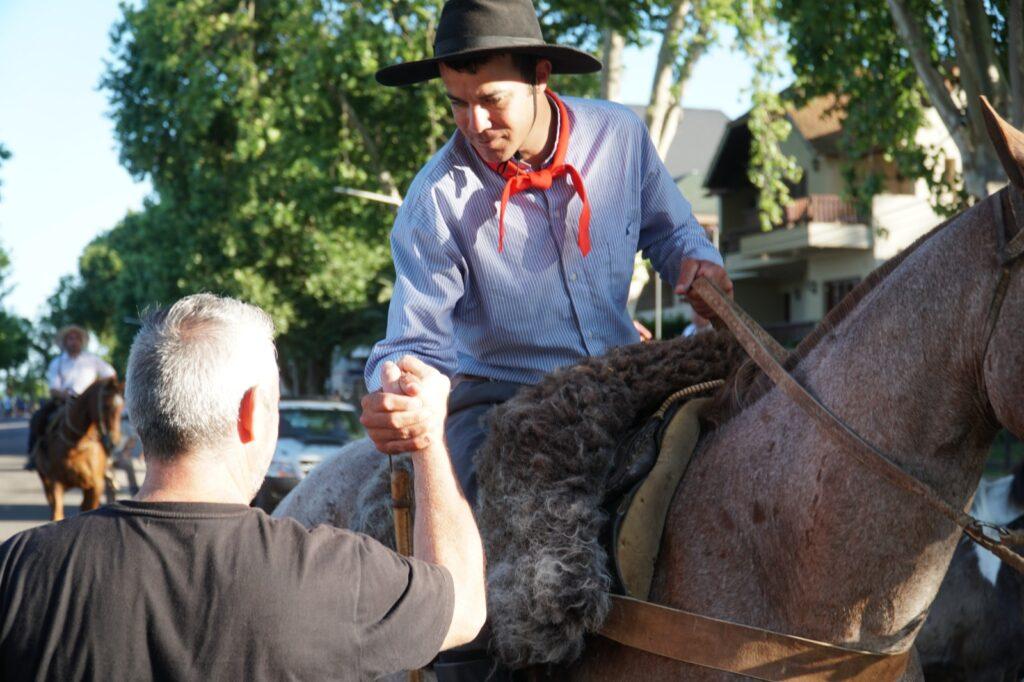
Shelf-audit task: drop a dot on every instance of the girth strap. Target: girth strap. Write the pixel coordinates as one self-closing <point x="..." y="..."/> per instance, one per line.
<point x="864" y="452"/>
<point x="742" y="649"/>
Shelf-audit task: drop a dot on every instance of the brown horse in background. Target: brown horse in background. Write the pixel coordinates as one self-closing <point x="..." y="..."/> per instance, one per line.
<point x="77" y="443"/>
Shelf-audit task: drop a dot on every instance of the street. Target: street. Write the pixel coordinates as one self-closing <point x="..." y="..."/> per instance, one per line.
<point x="22" y="503"/>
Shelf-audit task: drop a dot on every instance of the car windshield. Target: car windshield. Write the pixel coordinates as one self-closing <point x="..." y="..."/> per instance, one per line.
<point x="308" y="425"/>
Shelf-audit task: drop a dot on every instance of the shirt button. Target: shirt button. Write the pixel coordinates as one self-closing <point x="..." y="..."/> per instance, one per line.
<point x="573" y="277"/>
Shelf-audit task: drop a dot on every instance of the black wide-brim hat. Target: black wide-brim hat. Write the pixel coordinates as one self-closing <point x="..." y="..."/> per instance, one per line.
<point x="472" y="28"/>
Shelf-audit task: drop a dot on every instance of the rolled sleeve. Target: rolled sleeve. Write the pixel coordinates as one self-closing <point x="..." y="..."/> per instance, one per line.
<point x="429" y="281"/>
<point x="669" y="232"/>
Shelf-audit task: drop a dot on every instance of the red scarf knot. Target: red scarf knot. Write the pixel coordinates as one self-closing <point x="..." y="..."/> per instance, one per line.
<point x="542" y="179"/>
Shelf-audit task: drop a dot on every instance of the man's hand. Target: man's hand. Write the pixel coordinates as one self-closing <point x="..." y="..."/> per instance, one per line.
<point x="689" y="271"/>
<point x="408" y="413"/>
<point x="644" y="332"/>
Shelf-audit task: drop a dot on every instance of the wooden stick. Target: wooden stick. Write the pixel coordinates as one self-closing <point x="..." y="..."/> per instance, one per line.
<point x="401" y="503"/>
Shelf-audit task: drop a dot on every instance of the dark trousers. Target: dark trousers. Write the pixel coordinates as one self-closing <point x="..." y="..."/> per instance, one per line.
<point x="469" y="405"/>
<point x="37" y="423"/>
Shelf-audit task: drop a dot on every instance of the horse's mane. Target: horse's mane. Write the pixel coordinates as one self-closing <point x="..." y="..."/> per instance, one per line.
<point x="79" y="408"/>
<point x="748" y="384"/>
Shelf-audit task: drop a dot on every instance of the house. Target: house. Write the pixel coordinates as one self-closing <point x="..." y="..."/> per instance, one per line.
<point x="789" y="277"/>
<point x="688" y="158"/>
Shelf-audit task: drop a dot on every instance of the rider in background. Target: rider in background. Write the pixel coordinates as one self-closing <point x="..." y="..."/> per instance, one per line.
<point x="68" y="375"/>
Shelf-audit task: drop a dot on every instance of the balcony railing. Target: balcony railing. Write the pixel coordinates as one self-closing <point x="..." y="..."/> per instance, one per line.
<point x="816" y="208"/>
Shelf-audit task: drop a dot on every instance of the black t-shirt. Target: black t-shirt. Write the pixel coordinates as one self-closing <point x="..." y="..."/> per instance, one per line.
<point x="189" y="591"/>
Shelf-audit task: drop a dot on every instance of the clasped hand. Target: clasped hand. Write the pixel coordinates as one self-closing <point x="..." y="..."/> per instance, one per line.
<point x="407" y="414"/>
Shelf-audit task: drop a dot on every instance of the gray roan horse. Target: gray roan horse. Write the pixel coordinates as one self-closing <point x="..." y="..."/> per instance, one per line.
<point x="777" y="527"/>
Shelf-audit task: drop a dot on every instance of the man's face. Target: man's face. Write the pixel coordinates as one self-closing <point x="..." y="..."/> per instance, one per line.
<point x="494" y="107"/>
<point x="73" y="343"/>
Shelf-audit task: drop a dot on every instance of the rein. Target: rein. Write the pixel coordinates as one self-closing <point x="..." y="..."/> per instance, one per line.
<point x="765" y="354"/>
<point x="766" y="655"/>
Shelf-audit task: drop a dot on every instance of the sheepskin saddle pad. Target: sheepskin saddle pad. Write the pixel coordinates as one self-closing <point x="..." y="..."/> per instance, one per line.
<point x="543" y="472"/>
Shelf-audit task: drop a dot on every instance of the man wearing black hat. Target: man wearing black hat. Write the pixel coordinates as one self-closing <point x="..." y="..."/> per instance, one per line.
<point x="515" y="245"/>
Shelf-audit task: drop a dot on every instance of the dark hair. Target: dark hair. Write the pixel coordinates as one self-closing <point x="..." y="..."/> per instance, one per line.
<point x="526" y="64"/>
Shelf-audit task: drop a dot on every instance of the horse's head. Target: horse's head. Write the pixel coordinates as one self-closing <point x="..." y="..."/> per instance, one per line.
<point x="109" y="406"/>
<point x="1004" y="357"/>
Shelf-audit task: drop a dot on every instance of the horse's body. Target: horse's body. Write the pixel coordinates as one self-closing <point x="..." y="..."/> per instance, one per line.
<point x="775" y="526"/>
<point x="73" y="454"/>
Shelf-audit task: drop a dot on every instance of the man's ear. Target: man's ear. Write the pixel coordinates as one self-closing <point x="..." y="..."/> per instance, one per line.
<point x="541" y="74"/>
<point x="247" y="416"/>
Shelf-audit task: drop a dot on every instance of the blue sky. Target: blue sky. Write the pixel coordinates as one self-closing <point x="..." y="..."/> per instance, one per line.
<point x="64" y="184"/>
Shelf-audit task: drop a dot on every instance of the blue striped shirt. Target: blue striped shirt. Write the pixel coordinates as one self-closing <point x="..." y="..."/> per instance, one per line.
<point x="462" y="307"/>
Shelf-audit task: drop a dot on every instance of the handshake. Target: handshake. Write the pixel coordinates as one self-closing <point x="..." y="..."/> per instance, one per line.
<point x="407" y="414"/>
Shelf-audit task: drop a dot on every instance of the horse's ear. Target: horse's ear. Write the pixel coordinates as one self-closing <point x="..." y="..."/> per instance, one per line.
<point x="1008" y="141"/>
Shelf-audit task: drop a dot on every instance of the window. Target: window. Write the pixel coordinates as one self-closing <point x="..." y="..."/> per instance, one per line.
<point x="836" y="291"/>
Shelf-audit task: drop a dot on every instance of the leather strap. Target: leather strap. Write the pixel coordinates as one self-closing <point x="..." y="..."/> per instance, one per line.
<point x="741" y="649"/>
<point x="864" y="452"/>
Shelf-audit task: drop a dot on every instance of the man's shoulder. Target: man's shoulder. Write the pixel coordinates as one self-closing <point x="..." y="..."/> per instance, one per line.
<point x="439" y="170"/>
<point x="602" y="112"/>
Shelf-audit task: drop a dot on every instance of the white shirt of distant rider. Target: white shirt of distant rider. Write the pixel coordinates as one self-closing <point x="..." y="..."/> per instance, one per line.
<point x="76" y="374"/>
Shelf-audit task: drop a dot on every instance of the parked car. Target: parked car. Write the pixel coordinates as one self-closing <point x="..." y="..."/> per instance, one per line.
<point x="309" y="431"/>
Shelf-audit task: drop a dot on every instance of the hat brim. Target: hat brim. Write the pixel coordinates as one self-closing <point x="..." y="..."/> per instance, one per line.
<point x="564" y="60"/>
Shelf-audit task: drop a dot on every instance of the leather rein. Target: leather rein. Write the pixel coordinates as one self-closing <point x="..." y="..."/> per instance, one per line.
<point x="768" y="355"/>
<point x="766" y="655"/>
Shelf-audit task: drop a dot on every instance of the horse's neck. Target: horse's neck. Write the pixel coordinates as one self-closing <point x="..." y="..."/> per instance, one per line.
<point x="809" y="542"/>
<point x="81" y="410"/>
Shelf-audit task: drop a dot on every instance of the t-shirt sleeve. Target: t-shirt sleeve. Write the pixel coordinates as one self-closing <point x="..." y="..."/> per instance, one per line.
<point x="403" y="611"/>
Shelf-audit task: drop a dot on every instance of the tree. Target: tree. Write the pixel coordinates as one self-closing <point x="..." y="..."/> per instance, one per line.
<point x="887" y="60"/>
<point x="13" y="329"/>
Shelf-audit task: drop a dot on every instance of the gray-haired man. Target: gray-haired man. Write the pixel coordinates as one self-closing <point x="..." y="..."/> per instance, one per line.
<point x="187" y="582"/>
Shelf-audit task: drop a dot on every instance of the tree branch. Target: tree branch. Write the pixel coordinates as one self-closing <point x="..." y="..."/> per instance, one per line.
<point x="973" y="79"/>
<point x="1015" y="43"/>
<point x="611" y="76"/>
<point x="985" y="49"/>
<point x="664" y="72"/>
<point x="674" y="114"/>
<point x="934" y="83"/>
<point x="383" y="175"/>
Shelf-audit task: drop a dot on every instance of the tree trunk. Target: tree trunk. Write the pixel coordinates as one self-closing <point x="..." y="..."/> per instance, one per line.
<point x="664" y="72"/>
<point x="1015" y="47"/>
<point x="611" y="75"/>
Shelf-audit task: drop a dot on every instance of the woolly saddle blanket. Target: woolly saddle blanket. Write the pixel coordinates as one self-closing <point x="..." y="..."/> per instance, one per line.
<point x="542" y="473"/>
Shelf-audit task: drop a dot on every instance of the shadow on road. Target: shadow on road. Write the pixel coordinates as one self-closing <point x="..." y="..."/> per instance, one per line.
<point x="31" y="512"/>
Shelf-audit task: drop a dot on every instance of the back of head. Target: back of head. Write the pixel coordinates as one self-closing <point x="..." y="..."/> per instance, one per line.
<point x="189" y="367"/>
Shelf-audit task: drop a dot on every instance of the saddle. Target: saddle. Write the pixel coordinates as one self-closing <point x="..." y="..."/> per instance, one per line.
<point x="649" y="464"/>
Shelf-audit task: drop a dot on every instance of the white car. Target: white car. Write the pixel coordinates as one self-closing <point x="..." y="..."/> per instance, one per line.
<point x="309" y="432"/>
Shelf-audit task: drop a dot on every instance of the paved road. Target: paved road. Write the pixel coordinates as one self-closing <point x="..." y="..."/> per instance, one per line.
<point x="22" y="503"/>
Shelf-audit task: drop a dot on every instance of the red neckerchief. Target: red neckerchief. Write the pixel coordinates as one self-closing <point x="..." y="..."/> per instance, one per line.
<point x="541" y="179"/>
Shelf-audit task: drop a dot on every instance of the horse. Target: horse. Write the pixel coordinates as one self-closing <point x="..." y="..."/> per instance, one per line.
<point x="976" y="623"/>
<point x="78" y="439"/>
<point x="774" y="525"/>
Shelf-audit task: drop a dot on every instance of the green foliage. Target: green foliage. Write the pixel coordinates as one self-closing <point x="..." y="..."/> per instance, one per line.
<point x="14" y="330"/>
<point x="247" y="118"/>
<point x="851" y="48"/>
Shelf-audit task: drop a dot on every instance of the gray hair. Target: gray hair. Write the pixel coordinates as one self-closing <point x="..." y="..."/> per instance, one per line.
<point x="189" y="367"/>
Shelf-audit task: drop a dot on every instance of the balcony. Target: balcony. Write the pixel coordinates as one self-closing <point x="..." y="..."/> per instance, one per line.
<point x="816" y="223"/>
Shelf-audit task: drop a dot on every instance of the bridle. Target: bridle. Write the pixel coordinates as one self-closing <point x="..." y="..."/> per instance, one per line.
<point x="768" y="355"/>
